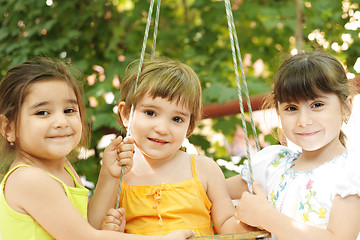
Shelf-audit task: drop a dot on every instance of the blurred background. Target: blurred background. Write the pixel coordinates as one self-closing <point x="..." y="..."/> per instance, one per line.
<point x="101" y="37"/>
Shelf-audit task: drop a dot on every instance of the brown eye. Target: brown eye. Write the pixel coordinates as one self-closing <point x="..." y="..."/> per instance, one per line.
<point x="150" y="113"/>
<point x="291" y="108"/>
<point x="69" y="110"/>
<point x="178" y="119"/>
<point x="42" y="113"/>
<point x="317" y="105"/>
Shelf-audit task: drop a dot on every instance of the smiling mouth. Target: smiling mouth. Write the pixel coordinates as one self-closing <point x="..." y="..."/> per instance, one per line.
<point x="308" y="133"/>
<point x="157" y="140"/>
<point x="63" y="136"/>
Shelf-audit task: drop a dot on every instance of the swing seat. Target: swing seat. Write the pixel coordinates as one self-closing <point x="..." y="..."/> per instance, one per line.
<point x="238" y="236"/>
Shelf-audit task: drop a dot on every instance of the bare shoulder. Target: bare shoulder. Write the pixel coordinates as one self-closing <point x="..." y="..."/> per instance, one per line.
<point x="24" y="177"/>
<point x="206" y="163"/>
<point x="208" y="171"/>
<point x="27" y="183"/>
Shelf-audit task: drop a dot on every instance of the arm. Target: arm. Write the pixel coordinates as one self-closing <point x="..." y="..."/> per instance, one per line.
<point x="236" y="186"/>
<point x="116" y="154"/>
<point x="223" y="210"/>
<point x="344" y="222"/>
<point x="31" y="191"/>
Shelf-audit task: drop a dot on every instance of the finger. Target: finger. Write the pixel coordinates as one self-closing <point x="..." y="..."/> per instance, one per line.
<point x="257" y="189"/>
<point x="121" y="212"/>
<point x="128" y="168"/>
<point x="125" y="147"/>
<point x="112" y="212"/>
<point x="122" y="226"/>
<point x="111" y="220"/>
<point x="111" y="227"/>
<point x="189" y="234"/>
<point x="236" y="215"/>
<point x="128" y="162"/>
<point x="114" y="143"/>
<point x="243" y="195"/>
<point x="129" y="140"/>
<point x="123" y="155"/>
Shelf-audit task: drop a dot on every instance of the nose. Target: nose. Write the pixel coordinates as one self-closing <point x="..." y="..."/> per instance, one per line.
<point x="60" y="120"/>
<point x="161" y="126"/>
<point x="304" y="117"/>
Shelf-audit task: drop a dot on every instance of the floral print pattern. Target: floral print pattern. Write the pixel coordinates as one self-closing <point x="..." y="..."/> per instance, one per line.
<point x="303" y="195"/>
<point x="305" y="205"/>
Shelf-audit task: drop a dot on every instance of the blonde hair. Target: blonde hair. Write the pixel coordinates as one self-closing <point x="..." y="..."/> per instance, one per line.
<point x="305" y="76"/>
<point x="165" y="78"/>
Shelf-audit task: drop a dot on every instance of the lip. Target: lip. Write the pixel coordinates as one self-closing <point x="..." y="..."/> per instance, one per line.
<point x="60" y="136"/>
<point x="159" y="141"/>
<point x="308" y="133"/>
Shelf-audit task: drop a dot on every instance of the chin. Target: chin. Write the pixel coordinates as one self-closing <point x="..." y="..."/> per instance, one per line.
<point x="311" y="148"/>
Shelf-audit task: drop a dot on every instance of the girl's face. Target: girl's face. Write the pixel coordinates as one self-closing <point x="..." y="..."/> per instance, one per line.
<point x="313" y="124"/>
<point x="159" y="126"/>
<point x="49" y="125"/>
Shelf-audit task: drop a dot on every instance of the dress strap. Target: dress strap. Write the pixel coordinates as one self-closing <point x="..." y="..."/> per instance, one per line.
<point x="13" y="169"/>
<point x="193" y="166"/>
<point x="67" y="168"/>
<point x="52" y="176"/>
<point x="198" y="182"/>
<point x="27" y="165"/>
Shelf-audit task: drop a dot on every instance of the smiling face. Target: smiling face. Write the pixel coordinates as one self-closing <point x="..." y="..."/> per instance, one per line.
<point x="313" y="124"/>
<point x="307" y="77"/>
<point x="159" y="126"/>
<point x="49" y="125"/>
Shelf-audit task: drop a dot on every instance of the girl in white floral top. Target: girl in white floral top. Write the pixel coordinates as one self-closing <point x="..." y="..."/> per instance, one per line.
<point x="314" y="193"/>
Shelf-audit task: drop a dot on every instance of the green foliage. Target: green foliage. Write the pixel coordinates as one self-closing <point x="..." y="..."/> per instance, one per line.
<point x="109" y="34"/>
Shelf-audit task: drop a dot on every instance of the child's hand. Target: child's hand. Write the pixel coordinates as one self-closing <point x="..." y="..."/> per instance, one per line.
<point x="114" y="220"/>
<point x="251" y="207"/>
<point x="119" y="152"/>
<point x="180" y="235"/>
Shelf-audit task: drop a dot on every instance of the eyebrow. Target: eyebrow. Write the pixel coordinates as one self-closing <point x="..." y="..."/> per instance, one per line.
<point x="44" y="103"/>
<point x="183" y="114"/>
<point x="156" y="107"/>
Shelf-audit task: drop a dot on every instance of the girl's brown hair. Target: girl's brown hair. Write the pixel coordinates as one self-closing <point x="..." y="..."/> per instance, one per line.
<point x="16" y="81"/>
<point x="305" y="76"/>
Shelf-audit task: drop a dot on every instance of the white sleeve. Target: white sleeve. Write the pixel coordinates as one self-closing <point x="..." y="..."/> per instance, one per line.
<point x="349" y="175"/>
<point x="260" y="162"/>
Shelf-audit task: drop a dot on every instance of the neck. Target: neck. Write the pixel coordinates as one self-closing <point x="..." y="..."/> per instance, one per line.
<point x="146" y="163"/>
<point x="51" y="166"/>
<point x="313" y="158"/>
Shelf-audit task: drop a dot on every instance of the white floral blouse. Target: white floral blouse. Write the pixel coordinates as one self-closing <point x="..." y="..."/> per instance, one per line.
<point x="306" y="196"/>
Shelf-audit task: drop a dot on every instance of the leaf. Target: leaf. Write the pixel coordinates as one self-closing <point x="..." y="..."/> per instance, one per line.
<point x="104" y="119"/>
<point x="220" y="92"/>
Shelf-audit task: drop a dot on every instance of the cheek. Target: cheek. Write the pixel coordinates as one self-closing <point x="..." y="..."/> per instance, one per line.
<point x="30" y="128"/>
<point x="138" y="127"/>
<point x="77" y="124"/>
<point x="285" y="122"/>
<point x="182" y="131"/>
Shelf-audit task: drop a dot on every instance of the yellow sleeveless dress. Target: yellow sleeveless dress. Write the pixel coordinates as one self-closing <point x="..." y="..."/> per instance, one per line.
<point x="161" y="209"/>
<point x="15" y="225"/>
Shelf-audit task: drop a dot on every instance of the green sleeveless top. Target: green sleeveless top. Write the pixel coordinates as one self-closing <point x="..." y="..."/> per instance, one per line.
<point x="15" y="225"/>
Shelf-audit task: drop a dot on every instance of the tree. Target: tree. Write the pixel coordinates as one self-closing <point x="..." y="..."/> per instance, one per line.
<point x="102" y="37"/>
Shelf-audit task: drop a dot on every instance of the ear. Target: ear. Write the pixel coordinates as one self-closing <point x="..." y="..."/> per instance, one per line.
<point x="124" y="113"/>
<point x="347" y="108"/>
<point x="7" y="129"/>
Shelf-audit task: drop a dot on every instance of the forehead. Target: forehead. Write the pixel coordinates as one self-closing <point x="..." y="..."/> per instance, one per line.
<point x="331" y="98"/>
<point x="157" y="102"/>
<point x="49" y="89"/>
